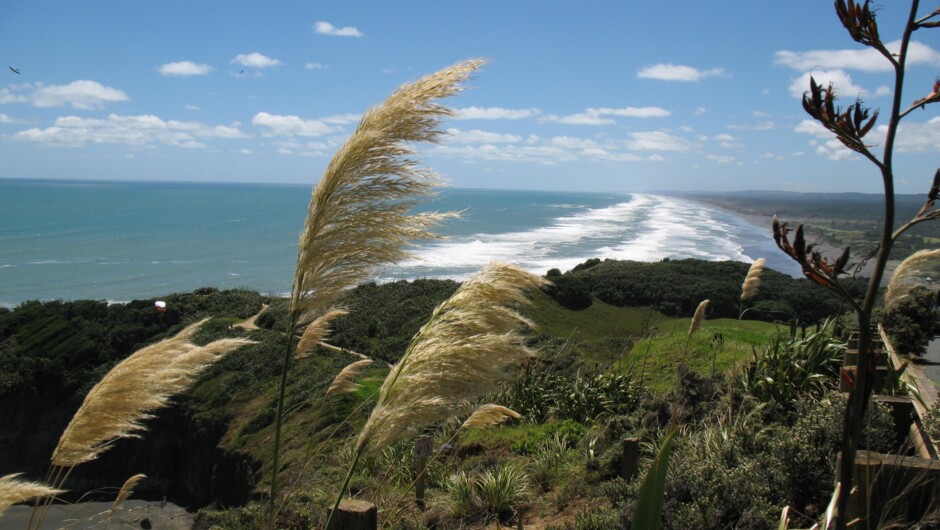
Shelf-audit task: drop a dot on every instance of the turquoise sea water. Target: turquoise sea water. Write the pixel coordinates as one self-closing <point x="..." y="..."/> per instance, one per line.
<point x="126" y="240"/>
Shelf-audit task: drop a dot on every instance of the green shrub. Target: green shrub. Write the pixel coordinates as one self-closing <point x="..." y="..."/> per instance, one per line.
<point x="503" y="489"/>
<point x="911" y="321"/>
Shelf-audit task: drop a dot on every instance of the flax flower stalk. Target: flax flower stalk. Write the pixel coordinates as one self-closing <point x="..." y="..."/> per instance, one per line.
<point x="907" y="269"/>
<point x="460" y="353"/>
<point x="359" y="217"/>
<point x="697" y="320"/>
<point x="13" y="491"/>
<point x="751" y="283"/>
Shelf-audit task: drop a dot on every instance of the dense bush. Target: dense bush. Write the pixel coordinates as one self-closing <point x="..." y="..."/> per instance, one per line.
<point x="911" y="321"/>
<point x="676" y="287"/>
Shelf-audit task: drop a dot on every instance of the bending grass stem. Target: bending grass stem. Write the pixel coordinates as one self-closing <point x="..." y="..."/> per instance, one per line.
<point x="277" y="420"/>
<point x="342" y="489"/>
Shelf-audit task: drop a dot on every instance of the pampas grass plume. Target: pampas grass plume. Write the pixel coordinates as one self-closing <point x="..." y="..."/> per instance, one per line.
<point x="752" y="280"/>
<point x="14" y="491"/>
<point x="488" y="416"/>
<point x="317" y="330"/>
<point x="127" y="489"/>
<point x="461" y="352"/>
<point x="909" y="267"/>
<point x="698" y="318"/>
<point x="359" y="214"/>
<point x="125" y="396"/>
<point x="344" y="381"/>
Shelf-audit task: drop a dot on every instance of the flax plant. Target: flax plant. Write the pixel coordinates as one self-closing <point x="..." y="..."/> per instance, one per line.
<point x="850" y="126"/>
<point x="463" y="351"/>
<point x="359" y="213"/>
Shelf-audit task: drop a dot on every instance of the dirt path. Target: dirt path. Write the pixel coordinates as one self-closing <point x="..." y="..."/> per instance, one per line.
<point x="250" y="323"/>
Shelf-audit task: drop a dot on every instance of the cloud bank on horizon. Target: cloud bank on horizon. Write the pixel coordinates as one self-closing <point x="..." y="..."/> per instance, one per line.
<point x="593" y="98"/>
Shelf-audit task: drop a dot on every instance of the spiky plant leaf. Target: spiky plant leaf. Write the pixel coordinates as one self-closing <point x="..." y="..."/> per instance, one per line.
<point x="648" y="513"/>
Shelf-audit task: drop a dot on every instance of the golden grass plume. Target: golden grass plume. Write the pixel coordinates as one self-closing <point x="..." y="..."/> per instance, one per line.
<point x="906" y="272"/>
<point x="14" y="491"/>
<point x="317" y="330"/>
<point x="698" y="317"/>
<point x="752" y="280"/>
<point x="127" y="489"/>
<point x="344" y="380"/>
<point x="462" y="352"/>
<point x="358" y="216"/>
<point x="145" y="381"/>
<point x="488" y="416"/>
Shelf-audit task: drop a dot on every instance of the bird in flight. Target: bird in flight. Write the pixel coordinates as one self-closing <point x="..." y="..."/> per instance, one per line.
<point x="15" y="70"/>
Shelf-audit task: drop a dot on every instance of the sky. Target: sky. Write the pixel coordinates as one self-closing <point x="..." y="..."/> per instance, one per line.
<point x="576" y="96"/>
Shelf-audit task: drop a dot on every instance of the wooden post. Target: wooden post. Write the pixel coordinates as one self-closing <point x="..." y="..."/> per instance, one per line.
<point x="355" y="515"/>
<point x="423" y="447"/>
<point x="630" y="463"/>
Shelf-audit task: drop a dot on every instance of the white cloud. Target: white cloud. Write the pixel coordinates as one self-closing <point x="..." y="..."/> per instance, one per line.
<point x="540" y="154"/>
<point x="342" y="119"/>
<point x="677" y="72"/>
<point x="916" y="137"/>
<point x="138" y="130"/>
<point x="314" y="66"/>
<point x="574" y="143"/>
<point x="184" y="69"/>
<point x="720" y="159"/>
<point x="193" y="107"/>
<point x="81" y="94"/>
<point x="842" y="83"/>
<point x="495" y="113"/>
<point x="325" y="28"/>
<point x="760" y="126"/>
<point x="245" y="151"/>
<point x="280" y="125"/>
<point x="7" y="119"/>
<point x="867" y="59"/>
<point x="596" y="116"/>
<point x="475" y="136"/>
<point x="700" y="111"/>
<point x="657" y="141"/>
<point x="255" y="60"/>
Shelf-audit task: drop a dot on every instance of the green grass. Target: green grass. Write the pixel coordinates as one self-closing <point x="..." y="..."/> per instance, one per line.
<point x="667" y="348"/>
<point x="601" y="332"/>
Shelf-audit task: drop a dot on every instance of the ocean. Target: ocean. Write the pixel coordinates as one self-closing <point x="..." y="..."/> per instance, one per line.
<point x="119" y="241"/>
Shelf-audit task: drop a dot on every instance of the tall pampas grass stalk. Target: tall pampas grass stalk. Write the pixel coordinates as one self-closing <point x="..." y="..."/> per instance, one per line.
<point x="462" y="352"/>
<point x="117" y="406"/>
<point x="697" y="320"/>
<point x="127" y="489"/>
<point x="908" y="268"/>
<point x="126" y="396"/>
<point x="488" y="416"/>
<point x="751" y="283"/>
<point x="14" y="491"/>
<point x="359" y="217"/>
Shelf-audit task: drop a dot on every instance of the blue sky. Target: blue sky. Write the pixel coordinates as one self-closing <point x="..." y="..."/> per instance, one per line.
<point x="589" y="96"/>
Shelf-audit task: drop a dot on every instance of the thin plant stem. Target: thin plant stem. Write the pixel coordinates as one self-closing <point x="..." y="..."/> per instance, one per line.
<point x="342" y="488"/>
<point x="288" y="351"/>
